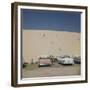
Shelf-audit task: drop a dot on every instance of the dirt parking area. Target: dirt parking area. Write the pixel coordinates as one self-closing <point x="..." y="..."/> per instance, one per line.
<point x="55" y="70"/>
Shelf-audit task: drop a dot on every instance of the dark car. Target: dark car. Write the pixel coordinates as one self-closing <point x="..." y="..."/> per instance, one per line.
<point x="77" y="60"/>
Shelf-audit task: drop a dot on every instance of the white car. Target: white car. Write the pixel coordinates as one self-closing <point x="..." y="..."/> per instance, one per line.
<point x="65" y="60"/>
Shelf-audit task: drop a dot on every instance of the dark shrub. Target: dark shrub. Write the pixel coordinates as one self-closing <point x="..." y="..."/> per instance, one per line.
<point x="25" y="64"/>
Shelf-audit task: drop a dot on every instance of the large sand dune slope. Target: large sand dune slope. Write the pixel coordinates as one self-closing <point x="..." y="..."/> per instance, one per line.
<point x="36" y="43"/>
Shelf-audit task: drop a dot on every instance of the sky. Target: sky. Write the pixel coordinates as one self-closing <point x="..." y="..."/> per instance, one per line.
<point x="50" y="20"/>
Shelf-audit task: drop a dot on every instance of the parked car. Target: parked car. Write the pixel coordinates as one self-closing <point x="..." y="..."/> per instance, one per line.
<point x="77" y="60"/>
<point x="65" y="60"/>
<point x="44" y="61"/>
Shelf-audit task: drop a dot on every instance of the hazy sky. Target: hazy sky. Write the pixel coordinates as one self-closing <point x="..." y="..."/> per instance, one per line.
<point x="50" y="20"/>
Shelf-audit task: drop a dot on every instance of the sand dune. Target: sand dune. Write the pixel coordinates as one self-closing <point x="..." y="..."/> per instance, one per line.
<point x="45" y="42"/>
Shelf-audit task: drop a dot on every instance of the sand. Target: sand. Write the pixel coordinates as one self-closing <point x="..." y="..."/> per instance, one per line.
<point x="54" y="70"/>
<point x="36" y="43"/>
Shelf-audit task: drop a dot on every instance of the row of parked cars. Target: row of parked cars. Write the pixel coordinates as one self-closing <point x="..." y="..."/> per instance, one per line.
<point x="65" y="60"/>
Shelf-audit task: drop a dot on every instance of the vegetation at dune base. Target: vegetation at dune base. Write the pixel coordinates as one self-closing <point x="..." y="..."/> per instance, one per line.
<point x="30" y="66"/>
